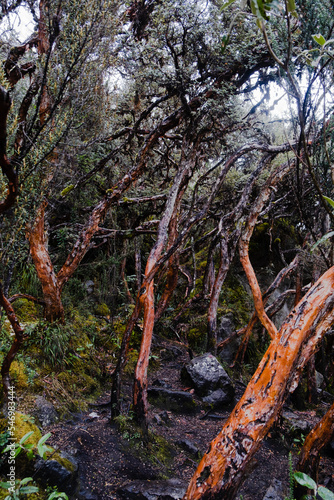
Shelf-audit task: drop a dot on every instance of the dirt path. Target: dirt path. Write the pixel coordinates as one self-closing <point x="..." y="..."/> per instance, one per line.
<point x="109" y="457"/>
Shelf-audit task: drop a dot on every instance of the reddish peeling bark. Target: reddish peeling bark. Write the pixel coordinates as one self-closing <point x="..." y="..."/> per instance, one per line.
<point x="18" y="341"/>
<point x="172" y="273"/>
<point x="51" y="290"/>
<point x="166" y="227"/>
<point x="220" y="471"/>
<point x="275" y="307"/>
<point x="319" y="436"/>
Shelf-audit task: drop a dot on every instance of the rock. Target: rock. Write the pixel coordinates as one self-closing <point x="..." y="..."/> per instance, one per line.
<point x="45" y="412"/>
<point x="296" y="424"/>
<point x="178" y="401"/>
<point x="217" y="399"/>
<point x="51" y="472"/>
<point x="319" y="379"/>
<point x="172" y="489"/>
<point x="225" y="330"/>
<point x="206" y="375"/>
<point x="89" y="287"/>
<point x="189" y="447"/>
<point x="275" y="491"/>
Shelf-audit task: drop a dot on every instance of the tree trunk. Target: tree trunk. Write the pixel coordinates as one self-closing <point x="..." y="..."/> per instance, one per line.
<point x="319" y="436"/>
<point x="167" y="228"/>
<point x="220" y="471"/>
<point x="224" y="265"/>
<point x="54" y="309"/>
<point x="18" y="341"/>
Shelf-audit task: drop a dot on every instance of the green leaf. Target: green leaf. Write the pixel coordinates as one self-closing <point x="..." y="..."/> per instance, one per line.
<point x="44" y="438"/>
<point x="325" y="493"/>
<point x="292" y="8"/>
<point x="25" y="480"/>
<point x="5" y="485"/>
<point x="329" y="200"/>
<point x="305" y="480"/>
<point x="227" y="4"/>
<point x="319" y="39"/>
<point x="28" y="489"/>
<point x="25" y="437"/>
<point x="56" y="494"/>
<point x="324" y="238"/>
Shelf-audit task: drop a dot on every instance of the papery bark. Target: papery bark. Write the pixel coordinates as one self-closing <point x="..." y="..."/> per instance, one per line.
<point x="54" y="309"/>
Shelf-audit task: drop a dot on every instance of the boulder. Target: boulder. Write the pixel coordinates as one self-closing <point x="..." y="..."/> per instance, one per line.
<point x="172" y="489"/>
<point x="45" y="412"/>
<point x="177" y="401"/>
<point x="209" y="379"/>
<point x="53" y="473"/>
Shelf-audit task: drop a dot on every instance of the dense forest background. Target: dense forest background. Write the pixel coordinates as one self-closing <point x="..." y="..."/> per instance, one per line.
<point x="167" y="170"/>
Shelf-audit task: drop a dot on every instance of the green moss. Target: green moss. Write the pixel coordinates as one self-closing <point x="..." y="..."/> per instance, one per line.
<point x="27" y="311"/>
<point x="197" y="338"/>
<point x="18" y="374"/>
<point x="23" y="425"/>
<point x="102" y="310"/>
<point x="132" y="361"/>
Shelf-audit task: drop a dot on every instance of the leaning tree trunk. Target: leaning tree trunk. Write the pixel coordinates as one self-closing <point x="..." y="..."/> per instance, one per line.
<point x="220" y="471"/>
<point x="16" y="345"/>
<point x="319" y="436"/>
<point x="167" y="229"/>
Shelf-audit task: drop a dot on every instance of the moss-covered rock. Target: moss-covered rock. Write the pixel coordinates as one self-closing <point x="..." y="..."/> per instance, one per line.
<point x="19" y="375"/>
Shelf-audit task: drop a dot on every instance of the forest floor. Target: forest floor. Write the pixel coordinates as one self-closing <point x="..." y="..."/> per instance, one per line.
<point x="110" y="456"/>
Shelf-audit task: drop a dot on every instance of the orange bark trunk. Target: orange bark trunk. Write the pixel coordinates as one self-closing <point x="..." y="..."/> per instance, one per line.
<point x="319" y="436"/>
<point x="51" y="291"/>
<point x="221" y="469"/>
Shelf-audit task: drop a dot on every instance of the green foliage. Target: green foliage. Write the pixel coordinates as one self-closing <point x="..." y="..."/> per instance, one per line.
<point x="21" y="488"/>
<point x="307" y="482"/>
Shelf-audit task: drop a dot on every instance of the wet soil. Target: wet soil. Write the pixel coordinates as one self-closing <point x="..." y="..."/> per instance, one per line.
<point x="110" y="457"/>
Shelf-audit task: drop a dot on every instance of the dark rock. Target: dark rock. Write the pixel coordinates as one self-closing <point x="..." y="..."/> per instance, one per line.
<point x="51" y="472"/>
<point x="173" y="489"/>
<point x="157" y="420"/>
<point x="275" y="491"/>
<point x="296" y="424"/>
<point x="189" y="447"/>
<point x="217" y="399"/>
<point x="45" y="412"/>
<point x="84" y="493"/>
<point x="225" y="331"/>
<point x="206" y="375"/>
<point x="164" y="416"/>
<point x="178" y="401"/>
<point x="161" y="383"/>
<point x="89" y="286"/>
